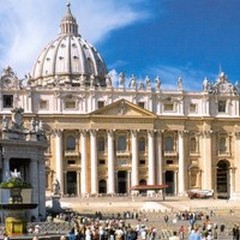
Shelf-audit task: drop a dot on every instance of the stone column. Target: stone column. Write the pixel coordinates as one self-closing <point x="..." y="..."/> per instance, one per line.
<point x="6" y="168"/>
<point x="94" y="176"/>
<point x="237" y="163"/>
<point x="129" y="181"/>
<point x="151" y="162"/>
<point x="207" y="160"/>
<point x="181" y="164"/>
<point x="65" y="181"/>
<point x="59" y="158"/>
<point x="111" y="180"/>
<point x="84" y="162"/>
<point x="175" y="182"/>
<point x="159" y="158"/>
<point x="34" y="178"/>
<point x="41" y="187"/>
<point x="232" y="182"/>
<point x="134" y="175"/>
<point x="78" y="183"/>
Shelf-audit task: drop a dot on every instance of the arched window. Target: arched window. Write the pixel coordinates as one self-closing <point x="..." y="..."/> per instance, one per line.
<point x="193" y="144"/>
<point x="222" y="144"/>
<point x="71" y="143"/>
<point x="141" y="144"/>
<point x="101" y="144"/>
<point x="169" y="145"/>
<point x="122" y="143"/>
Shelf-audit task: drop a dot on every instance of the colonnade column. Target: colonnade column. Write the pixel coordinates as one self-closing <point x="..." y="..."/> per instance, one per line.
<point x="42" y="179"/>
<point x="207" y="161"/>
<point x="83" y="161"/>
<point x="151" y="165"/>
<point x="232" y="182"/>
<point x="6" y="167"/>
<point x="94" y="176"/>
<point x="176" y="182"/>
<point x="159" y="158"/>
<point x="59" y="158"/>
<point x="34" y="178"/>
<point x="134" y="175"/>
<point x="111" y="180"/>
<point x="181" y="165"/>
<point x="237" y="163"/>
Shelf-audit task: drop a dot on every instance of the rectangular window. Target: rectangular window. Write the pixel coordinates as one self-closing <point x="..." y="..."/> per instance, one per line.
<point x="168" y="107"/>
<point x="43" y="105"/>
<point x="141" y="104"/>
<point x="71" y="162"/>
<point x="193" y="108"/>
<point x="70" y="105"/>
<point x="142" y="161"/>
<point x="221" y="106"/>
<point x="101" y="161"/>
<point x="7" y="101"/>
<point x="100" y="104"/>
<point x="169" y="161"/>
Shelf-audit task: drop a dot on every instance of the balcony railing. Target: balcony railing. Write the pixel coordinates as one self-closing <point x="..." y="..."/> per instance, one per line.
<point x="71" y="153"/>
<point x="123" y="153"/>
<point x="170" y="153"/>
<point x="224" y="153"/>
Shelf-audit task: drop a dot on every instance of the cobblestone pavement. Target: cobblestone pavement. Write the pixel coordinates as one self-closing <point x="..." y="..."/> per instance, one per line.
<point x="152" y="210"/>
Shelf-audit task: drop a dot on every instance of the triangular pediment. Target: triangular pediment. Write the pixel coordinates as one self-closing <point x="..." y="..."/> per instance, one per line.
<point x="123" y="108"/>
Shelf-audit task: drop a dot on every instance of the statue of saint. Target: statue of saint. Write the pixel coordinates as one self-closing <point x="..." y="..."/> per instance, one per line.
<point x="56" y="187"/>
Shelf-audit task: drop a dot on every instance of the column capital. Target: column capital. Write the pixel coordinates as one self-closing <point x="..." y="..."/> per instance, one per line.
<point x="83" y="132"/>
<point x="182" y="133"/>
<point x="207" y="133"/>
<point x="237" y="135"/>
<point x="93" y="132"/>
<point x="151" y="132"/>
<point x="134" y="132"/>
<point x="57" y="132"/>
<point x="110" y="132"/>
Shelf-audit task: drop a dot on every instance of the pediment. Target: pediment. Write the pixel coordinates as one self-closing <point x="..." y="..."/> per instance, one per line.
<point x="123" y="108"/>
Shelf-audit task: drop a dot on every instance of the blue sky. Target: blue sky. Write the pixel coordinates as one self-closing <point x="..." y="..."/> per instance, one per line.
<point x="191" y="39"/>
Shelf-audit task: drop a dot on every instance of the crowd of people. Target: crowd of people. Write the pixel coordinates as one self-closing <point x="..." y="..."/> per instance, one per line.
<point x="128" y="225"/>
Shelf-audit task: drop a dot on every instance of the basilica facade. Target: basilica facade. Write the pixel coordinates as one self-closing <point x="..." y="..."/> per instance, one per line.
<point x="104" y="139"/>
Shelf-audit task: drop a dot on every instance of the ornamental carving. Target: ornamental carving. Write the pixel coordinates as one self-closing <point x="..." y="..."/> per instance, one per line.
<point x="9" y="79"/>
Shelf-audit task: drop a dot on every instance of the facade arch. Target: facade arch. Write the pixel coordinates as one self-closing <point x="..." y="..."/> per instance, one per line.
<point x="223" y="179"/>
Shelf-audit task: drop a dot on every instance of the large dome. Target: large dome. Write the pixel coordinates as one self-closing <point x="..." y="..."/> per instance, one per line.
<point x="69" y="59"/>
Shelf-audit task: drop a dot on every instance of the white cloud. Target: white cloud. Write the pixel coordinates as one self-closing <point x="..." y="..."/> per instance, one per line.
<point x="26" y="26"/>
<point x="191" y="78"/>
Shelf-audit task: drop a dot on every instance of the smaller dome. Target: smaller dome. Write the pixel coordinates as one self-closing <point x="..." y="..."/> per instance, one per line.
<point x="69" y="59"/>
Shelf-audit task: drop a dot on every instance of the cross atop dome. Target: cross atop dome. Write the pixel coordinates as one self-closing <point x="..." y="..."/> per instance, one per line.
<point x="69" y="24"/>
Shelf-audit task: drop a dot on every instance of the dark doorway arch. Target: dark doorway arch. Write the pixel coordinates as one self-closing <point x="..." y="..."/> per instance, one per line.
<point x="169" y="180"/>
<point x="102" y="186"/>
<point x="223" y="179"/>
<point x="143" y="182"/>
<point x="122" y="181"/>
<point x="71" y="183"/>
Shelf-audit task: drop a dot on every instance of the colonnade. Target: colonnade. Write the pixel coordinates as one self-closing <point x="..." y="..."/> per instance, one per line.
<point x="155" y="174"/>
<point x="156" y="166"/>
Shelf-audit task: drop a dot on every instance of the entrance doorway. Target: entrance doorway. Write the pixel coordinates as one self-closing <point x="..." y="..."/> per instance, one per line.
<point x="223" y="179"/>
<point x="102" y="186"/>
<point x="169" y="180"/>
<point x="122" y="182"/>
<point x="71" y="183"/>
